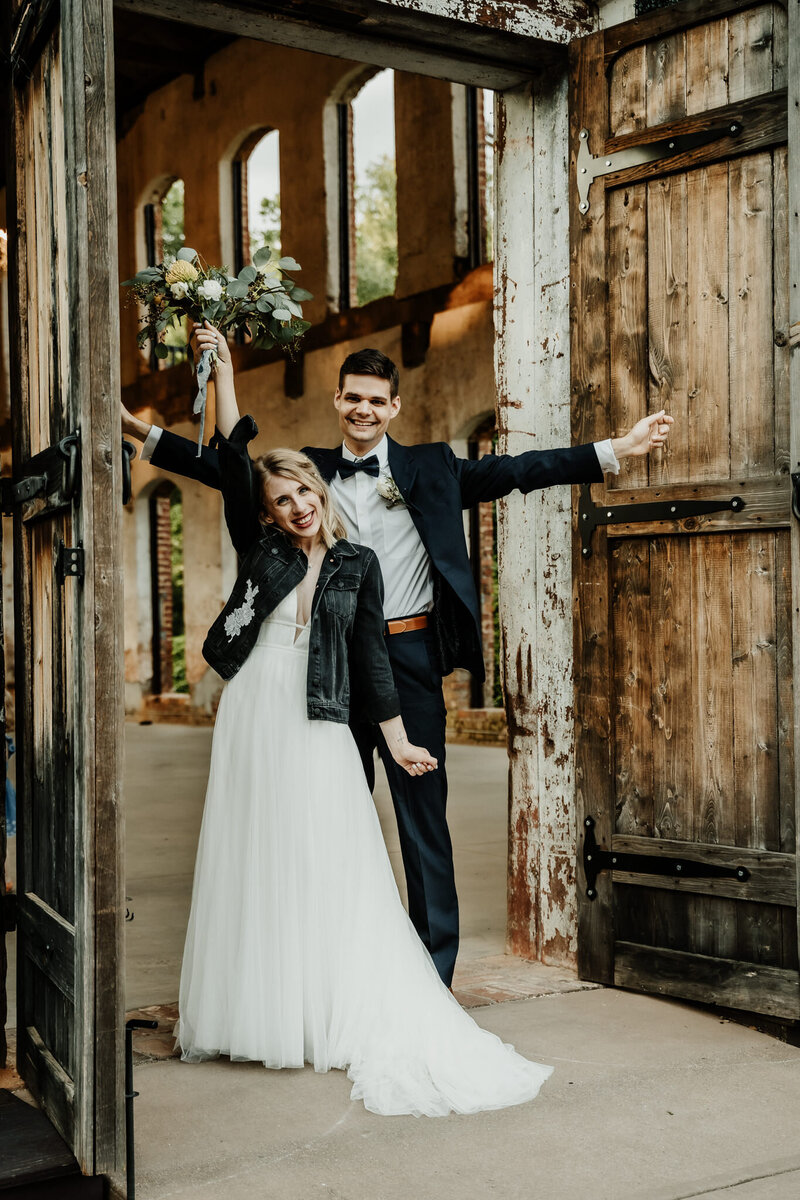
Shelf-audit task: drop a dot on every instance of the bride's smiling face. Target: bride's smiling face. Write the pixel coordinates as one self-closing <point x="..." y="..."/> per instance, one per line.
<point x="293" y="507"/>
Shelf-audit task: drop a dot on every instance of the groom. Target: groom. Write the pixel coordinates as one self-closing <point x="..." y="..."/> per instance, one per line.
<point x="406" y="503"/>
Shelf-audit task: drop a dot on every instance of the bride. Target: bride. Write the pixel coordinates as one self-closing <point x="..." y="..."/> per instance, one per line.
<point x="298" y="947"/>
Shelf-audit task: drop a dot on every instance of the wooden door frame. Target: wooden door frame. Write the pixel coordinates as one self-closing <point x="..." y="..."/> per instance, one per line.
<point x="794" y="371"/>
<point x="86" y="48"/>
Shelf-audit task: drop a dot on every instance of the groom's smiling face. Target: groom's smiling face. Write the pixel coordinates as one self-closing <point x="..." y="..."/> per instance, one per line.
<point x="365" y="406"/>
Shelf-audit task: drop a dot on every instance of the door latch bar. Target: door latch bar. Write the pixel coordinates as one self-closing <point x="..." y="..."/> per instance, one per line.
<point x="596" y="860"/>
<point x="591" y="515"/>
<point x="53" y="473"/>
<point x="591" y="168"/>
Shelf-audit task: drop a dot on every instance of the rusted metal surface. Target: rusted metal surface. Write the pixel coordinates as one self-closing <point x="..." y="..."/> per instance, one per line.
<point x="532" y="269"/>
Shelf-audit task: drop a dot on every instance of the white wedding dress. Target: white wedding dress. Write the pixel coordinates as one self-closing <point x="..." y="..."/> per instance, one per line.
<point x="298" y="947"/>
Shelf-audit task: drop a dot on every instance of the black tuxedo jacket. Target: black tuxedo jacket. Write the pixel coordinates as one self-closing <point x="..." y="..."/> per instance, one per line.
<point x="436" y="486"/>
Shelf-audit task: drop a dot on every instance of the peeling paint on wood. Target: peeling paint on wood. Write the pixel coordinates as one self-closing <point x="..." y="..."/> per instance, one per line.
<point x="534" y="532"/>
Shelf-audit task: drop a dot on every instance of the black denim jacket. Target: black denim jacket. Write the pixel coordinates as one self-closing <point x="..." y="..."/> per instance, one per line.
<point x="348" y="665"/>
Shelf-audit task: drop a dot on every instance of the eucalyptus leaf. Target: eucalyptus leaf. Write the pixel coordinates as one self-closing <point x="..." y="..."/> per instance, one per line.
<point x="289" y="264"/>
<point x="293" y="308"/>
<point x="265" y="304"/>
<point x="300" y="294"/>
<point x="286" y="333"/>
<point x="282" y="314"/>
<point x="161" y="351"/>
<point x="262" y="256"/>
<point x="237" y="289"/>
<point x="300" y="327"/>
<point x="248" y="275"/>
<point x="186" y="254"/>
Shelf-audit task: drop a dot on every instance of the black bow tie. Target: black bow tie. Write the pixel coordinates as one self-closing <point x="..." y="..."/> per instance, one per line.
<point x="347" y="467"/>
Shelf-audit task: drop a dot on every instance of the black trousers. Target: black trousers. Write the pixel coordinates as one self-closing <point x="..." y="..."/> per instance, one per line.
<point x="420" y="802"/>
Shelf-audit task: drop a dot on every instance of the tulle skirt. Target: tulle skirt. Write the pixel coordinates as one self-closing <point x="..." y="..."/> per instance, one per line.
<point x="298" y="947"/>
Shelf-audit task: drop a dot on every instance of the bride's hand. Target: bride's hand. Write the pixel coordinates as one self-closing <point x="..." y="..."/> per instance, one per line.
<point x="207" y="337"/>
<point x="415" y="760"/>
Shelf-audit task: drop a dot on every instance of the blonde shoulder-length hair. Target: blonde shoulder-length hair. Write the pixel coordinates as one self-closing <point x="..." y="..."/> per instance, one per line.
<point x="291" y="464"/>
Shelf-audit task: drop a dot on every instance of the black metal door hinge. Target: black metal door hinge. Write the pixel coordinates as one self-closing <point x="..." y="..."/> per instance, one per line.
<point x="590" y="515"/>
<point x="70" y="563"/>
<point x="53" y="475"/>
<point x="796" y="493"/>
<point x="596" y="860"/>
<point x="591" y="168"/>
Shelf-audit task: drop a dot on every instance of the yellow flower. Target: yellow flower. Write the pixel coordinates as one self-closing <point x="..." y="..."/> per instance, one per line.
<point x="181" y="272"/>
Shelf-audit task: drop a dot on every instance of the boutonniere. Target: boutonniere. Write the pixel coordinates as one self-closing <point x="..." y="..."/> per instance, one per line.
<point x="388" y="491"/>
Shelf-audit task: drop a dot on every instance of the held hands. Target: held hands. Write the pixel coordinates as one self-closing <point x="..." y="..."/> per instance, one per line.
<point x="415" y="760"/>
<point x="644" y="436"/>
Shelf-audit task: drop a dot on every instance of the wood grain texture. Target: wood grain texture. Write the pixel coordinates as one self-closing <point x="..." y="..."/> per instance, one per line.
<point x="666" y="78"/>
<point x="793" y="75"/>
<point x="670" y="624"/>
<point x="754" y="688"/>
<point x="750" y="58"/>
<point x="667" y="322"/>
<point x="750" y="287"/>
<point x="626" y="218"/>
<point x="627" y="99"/>
<point x="590" y="405"/>
<point x="632" y="687"/>
<point x="709" y="412"/>
<point x="708" y="979"/>
<point x="707" y="66"/>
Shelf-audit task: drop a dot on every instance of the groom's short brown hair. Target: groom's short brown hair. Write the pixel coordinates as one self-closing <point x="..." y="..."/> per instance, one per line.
<point x="371" y="362"/>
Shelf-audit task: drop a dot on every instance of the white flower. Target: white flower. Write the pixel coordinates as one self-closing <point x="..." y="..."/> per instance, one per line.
<point x="179" y="290"/>
<point x="243" y="615"/>
<point x="388" y="491"/>
<point x="211" y="289"/>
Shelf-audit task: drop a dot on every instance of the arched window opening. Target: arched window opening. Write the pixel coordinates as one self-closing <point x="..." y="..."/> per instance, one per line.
<point x="483" y="557"/>
<point x="480" y="180"/>
<point x="164" y="235"/>
<point x="166" y="559"/>
<point x="367" y="192"/>
<point x="256" y="196"/>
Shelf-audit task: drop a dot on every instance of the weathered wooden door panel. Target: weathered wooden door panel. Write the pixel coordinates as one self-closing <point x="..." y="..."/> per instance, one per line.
<point x="62" y="255"/>
<point x="684" y="636"/>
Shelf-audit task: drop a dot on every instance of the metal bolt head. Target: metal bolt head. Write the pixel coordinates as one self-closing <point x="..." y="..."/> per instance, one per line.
<point x="671" y="146"/>
<point x="608" y="162"/>
<point x="583" y="170"/>
<point x="678" y="867"/>
<point x="673" y="508"/>
<point x="590" y="893"/>
<point x="609" y="513"/>
<point x="584" y="206"/>
<point x="584" y="134"/>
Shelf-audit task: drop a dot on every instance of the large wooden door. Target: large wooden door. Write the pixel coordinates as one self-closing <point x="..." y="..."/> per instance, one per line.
<point x="684" y="619"/>
<point x="67" y="566"/>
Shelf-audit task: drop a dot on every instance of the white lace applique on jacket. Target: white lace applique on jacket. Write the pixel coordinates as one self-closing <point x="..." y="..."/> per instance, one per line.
<point x="243" y="615"/>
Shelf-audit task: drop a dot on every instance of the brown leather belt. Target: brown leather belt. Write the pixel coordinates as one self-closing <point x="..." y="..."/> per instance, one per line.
<point x="406" y="625"/>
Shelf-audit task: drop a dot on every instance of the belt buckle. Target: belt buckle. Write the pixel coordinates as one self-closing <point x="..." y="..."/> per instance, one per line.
<point x="402" y="626"/>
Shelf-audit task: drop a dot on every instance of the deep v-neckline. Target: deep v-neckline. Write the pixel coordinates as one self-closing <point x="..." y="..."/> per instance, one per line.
<point x="300" y="626"/>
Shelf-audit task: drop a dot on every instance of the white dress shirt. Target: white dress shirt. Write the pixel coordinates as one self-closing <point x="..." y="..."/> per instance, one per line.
<point x="390" y="532"/>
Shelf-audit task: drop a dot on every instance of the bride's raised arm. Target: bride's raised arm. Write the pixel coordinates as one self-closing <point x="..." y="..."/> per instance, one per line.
<point x="206" y="337"/>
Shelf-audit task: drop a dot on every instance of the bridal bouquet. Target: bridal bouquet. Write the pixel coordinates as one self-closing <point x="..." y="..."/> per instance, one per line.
<point x="262" y="301"/>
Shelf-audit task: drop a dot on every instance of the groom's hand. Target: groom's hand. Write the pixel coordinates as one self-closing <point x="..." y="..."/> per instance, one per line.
<point x="644" y="436"/>
<point x="415" y="760"/>
<point x="132" y="426"/>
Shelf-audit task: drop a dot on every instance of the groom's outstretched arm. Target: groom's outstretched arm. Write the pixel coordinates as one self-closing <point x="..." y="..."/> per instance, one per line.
<point x="173" y="453"/>
<point x="496" y="475"/>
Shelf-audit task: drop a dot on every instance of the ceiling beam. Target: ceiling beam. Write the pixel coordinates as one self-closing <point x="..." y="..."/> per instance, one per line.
<point x="467" y="41"/>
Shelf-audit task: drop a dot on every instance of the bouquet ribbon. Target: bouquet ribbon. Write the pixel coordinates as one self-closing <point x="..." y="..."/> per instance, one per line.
<point x="203" y="375"/>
